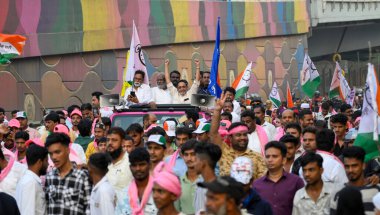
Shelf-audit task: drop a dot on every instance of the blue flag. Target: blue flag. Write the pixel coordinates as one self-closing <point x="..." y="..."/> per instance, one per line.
<point x="214" y="86"/>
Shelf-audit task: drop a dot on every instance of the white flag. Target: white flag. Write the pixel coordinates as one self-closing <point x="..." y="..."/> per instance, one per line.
<point x="135" y="60"/>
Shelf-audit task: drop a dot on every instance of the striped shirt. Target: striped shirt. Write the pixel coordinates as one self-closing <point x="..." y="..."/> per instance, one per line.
<point x="367" y="191"/>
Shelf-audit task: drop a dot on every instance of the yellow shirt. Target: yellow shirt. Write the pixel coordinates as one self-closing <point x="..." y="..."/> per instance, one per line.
<point x="91" y="149"/>
<point x="229" y="155"/>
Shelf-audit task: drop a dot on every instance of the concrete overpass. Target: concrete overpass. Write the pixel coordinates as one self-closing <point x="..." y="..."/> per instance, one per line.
<point x="346" y="27"/>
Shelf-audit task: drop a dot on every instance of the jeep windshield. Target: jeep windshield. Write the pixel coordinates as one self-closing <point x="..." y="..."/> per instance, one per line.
<point x="125" y="118"/>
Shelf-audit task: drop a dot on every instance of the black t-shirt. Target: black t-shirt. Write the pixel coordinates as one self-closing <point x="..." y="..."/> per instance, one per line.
<point x="8" y="205"/>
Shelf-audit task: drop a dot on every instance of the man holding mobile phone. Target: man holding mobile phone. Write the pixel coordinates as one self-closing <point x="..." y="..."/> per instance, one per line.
<point x="139" y="93"/>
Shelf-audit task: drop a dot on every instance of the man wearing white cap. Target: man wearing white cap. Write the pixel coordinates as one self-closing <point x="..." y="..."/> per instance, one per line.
<point x="305" y="106"/>
<point x="242" y="171"/>
<point x="23" y="119"/>
<point x="202" y="132"/>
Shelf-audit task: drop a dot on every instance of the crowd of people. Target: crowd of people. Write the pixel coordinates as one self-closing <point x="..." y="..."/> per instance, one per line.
<point x="248" y="158"/>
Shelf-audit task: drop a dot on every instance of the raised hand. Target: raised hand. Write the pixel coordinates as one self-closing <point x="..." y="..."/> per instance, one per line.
<point x="220" y="102"/>
<point x="167" y="62"/>
<point x="197" y="62"/>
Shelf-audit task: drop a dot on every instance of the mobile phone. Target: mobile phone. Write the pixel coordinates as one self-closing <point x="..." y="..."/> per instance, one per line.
<point x="133" y="94"/>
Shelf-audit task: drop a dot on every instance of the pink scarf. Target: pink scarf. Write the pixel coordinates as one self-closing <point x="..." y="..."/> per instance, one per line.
<point x="7" y="169"/>
<point x="172" y="160"/>
<point x="331" y="155"/>
<point x="280" y="133"/>
<point x="133" y="197"/>
<point x="262" y="137"/>
<point x="23" y="161"/>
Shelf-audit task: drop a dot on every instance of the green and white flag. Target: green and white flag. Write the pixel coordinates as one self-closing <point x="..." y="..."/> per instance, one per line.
<point x="241" y="83"/>
<point x="368" y="134"/>
<point x="335" y="89"/>
<point x="274" y="96"/>
<point x="310" y="79"/>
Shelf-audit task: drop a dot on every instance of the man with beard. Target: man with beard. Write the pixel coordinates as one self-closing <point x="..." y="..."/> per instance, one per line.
<point x="238" y="137"/>
<point x="353" y="158"/>
<point x="315" y="197"/>
<point x="205" y="81"/>
<point x="259" y="111"/>
<point x="103" y="197"/>
<point x="181" y="94"/>
<point x="306" y="118"/>
<point x="224" y="196"/>
<point x="161" y="94"/>
<point x="87" y="113"/>
<point x="76" y="117"/>
<point x="68" y="188"/>
<point x="23" y="119"/>
<point x="257" y="137"/>
<point x="137" y="197"/>
<point x="139" y="93"/>
<point x="30" y="196"/>
<point x="119" y="174"/>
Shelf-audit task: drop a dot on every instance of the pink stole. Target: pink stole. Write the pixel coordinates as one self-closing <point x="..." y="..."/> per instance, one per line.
<point x="262" y="137"/>
<point x="280" y="133"/>
<point x="7" y="169"/>
<point x="331" y="155"/>
<point x="172" y="160"/>
<point x="133" y="197"/>
<point x="23" y="161"/>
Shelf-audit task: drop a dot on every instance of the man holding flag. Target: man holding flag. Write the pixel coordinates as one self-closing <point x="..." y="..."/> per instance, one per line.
<point x="135" y="88"/>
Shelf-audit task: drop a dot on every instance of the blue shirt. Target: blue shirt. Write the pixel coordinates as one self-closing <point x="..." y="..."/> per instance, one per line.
<point x="180" y="167"/>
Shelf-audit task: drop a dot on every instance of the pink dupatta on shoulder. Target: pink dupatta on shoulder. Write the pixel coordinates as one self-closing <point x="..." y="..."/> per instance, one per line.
<point x="133" y="197"/>
<point x="263" y="137"/>
<point x="7" y="169"/>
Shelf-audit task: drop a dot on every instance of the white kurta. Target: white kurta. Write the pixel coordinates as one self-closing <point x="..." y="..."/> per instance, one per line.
<point x="103" y="198"/>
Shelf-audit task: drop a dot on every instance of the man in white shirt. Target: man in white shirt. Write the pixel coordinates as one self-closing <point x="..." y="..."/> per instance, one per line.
<point x="30" y="196"/>
<point x="119" y="173"/>
<point x="257" y="137"/>
<point x="161" y="93"/>
<point x="230" y="94"/>
<point x="269" y="128"/>
<point x="182" y="94"/>
<point x="333" y="168"/>
<point x="139" y="93"/>
<point x="229" y="108"/>
<point x="103" y="197"/>
<point x="11" y="172"/>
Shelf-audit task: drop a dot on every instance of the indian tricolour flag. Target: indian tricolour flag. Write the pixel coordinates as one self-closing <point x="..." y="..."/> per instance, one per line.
<point x="135" y="61"/>
<point x="274" y="96"/>
<point x="241" y="83"/>
<point x="368" y="134"/>
<point x="310" y="79"/>
<point x="10" y="46"/>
